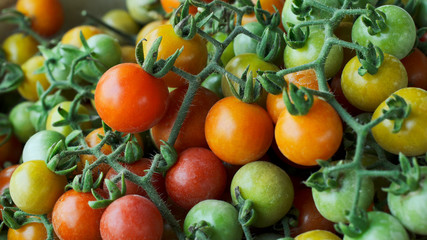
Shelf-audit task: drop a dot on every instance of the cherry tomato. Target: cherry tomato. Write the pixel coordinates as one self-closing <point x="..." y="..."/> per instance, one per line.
<point x="368" y="91"/>
<point x="197" y="175"/>
<point x="28" y="88"/>
<point x="121" y="20"/>
<point x="54" y="117"/>
<point x="170" y="5"/>
<point x="192" y="59"/>
<point x="228" y="51"/>
<point x="72" y="36"/>
<point x="19" y="48"/>
<point x="317" y="235"/>
<point x="19" y="117"/>
<point x="145" y="12"/>
<point x="416" y="67"/>
<point x="410" y="140"/>
<point x="37" y="146"/>
<point x="131" y="217"/>
<point x="192" y="132"/>
<point x="128" y="54"/>
<point x="34" y="188"/>
<point x="339" y="96"/>
<point x="129" y="99"/>
<point x="73" y="218"/>
<point x="11" y="150"/>
<point x="30" y="231"/>
<point x="316" y="135"/>
<point x="268" y="187"/>
<point x="148" y="27"/>
<point x="249" y="131"/>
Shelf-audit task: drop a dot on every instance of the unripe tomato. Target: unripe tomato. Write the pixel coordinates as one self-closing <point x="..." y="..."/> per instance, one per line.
<point x="54" y="116"/>
<point x="72" y="36"/>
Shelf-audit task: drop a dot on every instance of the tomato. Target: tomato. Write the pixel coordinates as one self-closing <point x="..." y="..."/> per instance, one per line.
<point x="5" y="175"/>
<point x="72" y="36"/>
<point x="128" y="54"/>
<point x="316" y="135"/>
<point x="19" y="48"/>
<point x="28" y="88"/>
<point x="213" y="83"/>
<point x="309" y="218"/>
<point x="339" y="96"/>
<point x="19" y="117"/>
<point x="396" y="39"/>
<point x="382" y="226"/>
<point x="196" y="176"/>
<point x="310" y="52"/>
<point x="343" y="32"/>
<point x="420" y="14"/>
<point x="121" y="20"/>
<point x="6" y="155"/>
<point x="268" y="187"/>
<point x="237" y="67"/>
<point x="37" y="146"/>
<point x="192" y="59"/>
<point x="30" y="231"/>
<point x="38" y="119"/>
<point x="416" y="67"/>
<point x="131" y="217"/>
<point x="249" y="131"/>
<point x="220" y="215"/>
<point x="73" y="218"/>
<point x="130" y="100"/>
<point x="342" y="198"/>
<point x="191" y="133"/>
<point x="368" y="91"/>
<point x="228" y="51"/>
<point x="170" y="5"/>
<point x="54" y="116"/>
<point x="148" y="27"/>
<point x="46" y="16"/>
<point x="34" y="188"/>
<point x="410" y="140"/>
<point x="271" y="5"/>
<point x="144" y="11"/>
<point x="317" y="235"/>
<point x="139" y="168"/>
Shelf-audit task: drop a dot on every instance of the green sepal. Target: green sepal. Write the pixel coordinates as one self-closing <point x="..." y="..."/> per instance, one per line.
<point x="9" y="219"/>
<point x="200" y="231"/>
<point x="296" y="102"/>
<point x="301" y="10"/>
<point x="409" y="178"/>
<point x="321" y="182"/>
<point x="133" y="152"/>
<point x="61" y="165"/>
<point x="5" y="128"/>
<point x="113" y="191"/>
<point x="269" y="46"/>
<point x="84" y="182"/>
<point x="271" y="82"/>
<point x="5" y="199"/>
<point x="296" y="37"/>
<point x="168" y="157"/>
<point x="184" y="23"/>
<point x="358" y="224"/>
<point x="374" y="20"/>
<point x="247" y="214"/>
<point x="398" y="111"/>
<point x="11" y="76"/>
<point x="371" y="59"/>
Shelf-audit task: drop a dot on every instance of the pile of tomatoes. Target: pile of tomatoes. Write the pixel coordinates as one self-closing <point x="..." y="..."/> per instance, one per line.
<point x="225" y="120"/>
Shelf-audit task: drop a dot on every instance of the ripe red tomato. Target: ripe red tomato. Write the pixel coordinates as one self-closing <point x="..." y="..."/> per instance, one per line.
<point x="238" y="132"/>
<point x="197" y="175"/>
<point x="192" y="132"/>
<point x="131" y="217"/>
<point x="416" y="67"/>
<point x="73" y="218"/>
<point x="130" y="100"/>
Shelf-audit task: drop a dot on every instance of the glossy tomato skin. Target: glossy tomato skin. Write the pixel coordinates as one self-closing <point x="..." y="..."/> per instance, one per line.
<point x="130" y="100"/>
<point x="416" y="67"/>
<point x="248" y="126"/>
<point x="121" y="20"/>
<point x="72" y="36"/>
<point x="192" y="59"/>
<point x="54" y="116"/>
<point x="19" y="117"/>
<point x="37" y="146"/>
<point x="73" y="218"/>
<point x="170" y="5"/>
<point x="30" y="231"/>
<point x="19" y="48"/>
<point x="197" y="175"/>
<point x="397" y="39"/>
<point x="34" y="188"/>
<point x="131" y="217"/>
<point x="222" y="216"/>
<point x="28" y="87"/>
<point x="368" y="91"/>
<point x="268" y="187"/>
<point x="411" y="139"/>
<point x="316" y="135"/>
<point x="317" y="235"/>
<point x="382" y="226"/>
<point x="46" y="16"/>
<point x="192" y="132"/>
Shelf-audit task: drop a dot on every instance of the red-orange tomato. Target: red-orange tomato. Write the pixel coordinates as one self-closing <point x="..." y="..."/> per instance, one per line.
<point x="11" y="150"/>
<point x="416" y="67"/>
<point x="192" y="132"/>
<point x="238" y="132"/>
<point x="46" y="16"/>
<point x="316" y="135"/>
<point x="130" y="100"/>
<point x="170" y="5"/>
<point x="5" y="175"/>
<point x="192" y="59"/>
<point x="73" y="218"/>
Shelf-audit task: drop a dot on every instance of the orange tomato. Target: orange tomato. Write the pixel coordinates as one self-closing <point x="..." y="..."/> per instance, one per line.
<point x="72" y="36"/>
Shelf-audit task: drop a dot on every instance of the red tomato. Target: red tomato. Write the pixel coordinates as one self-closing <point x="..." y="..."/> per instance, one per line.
<point x="416" y="67"/>
<point x="73" y="218"/>
<point x="130" y="100"/>
<point x="197" y="175"/>
<point x="10" y="151"/>
<point x="131" y="217"/>
<point x="238" y="132"/>
<point x="192" y="132"/>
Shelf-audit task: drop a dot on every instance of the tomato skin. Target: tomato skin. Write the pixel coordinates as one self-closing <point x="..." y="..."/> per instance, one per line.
<point x="54" y="116"/>
<point x="382" y="226"/>
<point x="19" y="117"/>
<point x="170" y="5"/>
<point x="30" y="231"/>
<point x="73" y="218"/>
<point x="192" y="132"/>
<point x="228" y="51"/>
<point x="368" y="91"/>
<point x="196" y="176"/>
<point x="131" y="217"/>
<point x="139" y="100"/>
<point x="5" y="175"/>
<point x="192" y="59"/>
<point x="268" y="186"/>
<point x="72" y="36"/>
<point x="121" y="20"/>
<point x="416" y="67"/>
<point x="46" y="16"/>
<point x="19" y="48"/>
<point x="6" y="155"/>
<point x="222" y="216"/>
<point x="397" y="39"/>
<point x="92" y="139"/>
<point x="34" y="188"/>
<point x="317" y="235"/>
<point x="316" y="135"/>
<point x="410" y="140"/>
<point x="28" y="88"/>
<point x="37" y="146"/>
<point x="247" y="125"/>
<point x="145" y="12"/>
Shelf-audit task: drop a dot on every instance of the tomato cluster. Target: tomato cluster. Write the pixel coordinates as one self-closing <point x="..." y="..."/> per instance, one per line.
<point x="225" y="120"/>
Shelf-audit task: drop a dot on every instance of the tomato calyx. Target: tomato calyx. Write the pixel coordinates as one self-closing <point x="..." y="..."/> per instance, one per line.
<point x="113" y="192"/>
<point x="250" y="91"/>
<point x="374" y="20"/>
<point x="301" y="10"/>
<point x="167" y="157"/>
<point x="371" y="59"/>
<point x="5" y="128"/>
<point x="296" y="37"/>
<point x="183" y="22"/>
<point x="11" y="76"/>
<point x="358" y="223"/>
<point x="200" y="230"/>
<point x="298" y="101"/>
<point x="268" y="48"/>
<point x="246" y="209"/>
<point x="398" y="111"/>
<point x="271" y="82"/>
<point x="84" y="182"/>
<point x="408" y="179"/>
<point x="265" y="18"/>
<point x="60" y="165"/>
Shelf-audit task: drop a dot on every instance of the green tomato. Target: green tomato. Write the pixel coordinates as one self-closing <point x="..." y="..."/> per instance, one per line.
<point x="37" y="146"/>
<point x="54" y="116"/>
<point x="220" y="215"/>
<point x="213" y="83"/>
<point x="228" y="51"/>
<point x="421" y="13"/>
<point x="145" y="11"/>
<point x="37" y="118"/>
<point x="121" y="20"/>
<point x="21" y="122"/>
<point x="268" y="187"/>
